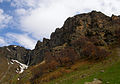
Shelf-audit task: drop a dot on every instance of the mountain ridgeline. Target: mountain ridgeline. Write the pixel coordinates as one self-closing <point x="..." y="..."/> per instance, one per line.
<point x="78" y="34"/>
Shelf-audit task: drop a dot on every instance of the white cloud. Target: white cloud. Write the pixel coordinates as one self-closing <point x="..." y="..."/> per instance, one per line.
<point x="25" y="3"/>
<point x="1" y="1"/>
<point x="4" y="19"/>
<point x="4" y="0"/>
<point x="20" y="11"/>
<point x="42" y="22"/>
<point x="22" y="39"/>
<point x="3" y="42"/>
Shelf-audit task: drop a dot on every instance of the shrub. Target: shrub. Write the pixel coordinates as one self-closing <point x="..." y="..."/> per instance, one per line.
<point x="88" y="49"/>
<point x="68" y="56"/>
<point x="92" y="52"/>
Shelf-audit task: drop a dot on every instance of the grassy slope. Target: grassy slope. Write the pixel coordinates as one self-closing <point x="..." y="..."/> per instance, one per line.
<point x="83" y="72"/>
<point x="87" y="72"/>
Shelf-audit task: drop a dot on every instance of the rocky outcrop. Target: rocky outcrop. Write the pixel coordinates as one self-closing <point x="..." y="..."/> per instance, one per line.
<point x="94" y="82"/>
<point x="97" y="27"/>
<point x="16" y="52"/>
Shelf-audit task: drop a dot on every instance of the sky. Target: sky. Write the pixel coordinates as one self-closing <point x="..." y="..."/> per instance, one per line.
<point x="24" y="22"/>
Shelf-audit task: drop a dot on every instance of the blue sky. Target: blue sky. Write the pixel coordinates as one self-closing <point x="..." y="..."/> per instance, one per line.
<point x="23" y="22"/>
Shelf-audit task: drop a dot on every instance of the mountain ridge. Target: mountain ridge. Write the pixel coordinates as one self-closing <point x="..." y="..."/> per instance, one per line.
<point x="73" y="28"/>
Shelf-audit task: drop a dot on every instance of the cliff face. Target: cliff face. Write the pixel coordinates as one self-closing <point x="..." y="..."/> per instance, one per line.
<point x="91" y="25"/>
<point x="15" y="52"/>
<point x="100" y="29"/>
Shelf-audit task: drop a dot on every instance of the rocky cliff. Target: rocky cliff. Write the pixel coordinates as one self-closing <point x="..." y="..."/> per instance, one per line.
<point x="98" y="28"/>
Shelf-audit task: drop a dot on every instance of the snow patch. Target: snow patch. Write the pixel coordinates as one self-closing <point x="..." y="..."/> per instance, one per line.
<point x="15" y="46"/>
<point x="17" y="71"/>
<point x="18" y="79"/>
<point x="8" y="63"/>
<point x="22" y="67"/>
<point x="11" y="62"/>
<point x="8" y="49"/>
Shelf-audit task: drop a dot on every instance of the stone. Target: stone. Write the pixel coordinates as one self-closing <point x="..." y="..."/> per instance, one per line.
<point x="94" y="82"/>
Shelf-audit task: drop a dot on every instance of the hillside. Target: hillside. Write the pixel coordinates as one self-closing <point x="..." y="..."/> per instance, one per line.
<point x="74" y="54"/>
<point x="106" y="71"/>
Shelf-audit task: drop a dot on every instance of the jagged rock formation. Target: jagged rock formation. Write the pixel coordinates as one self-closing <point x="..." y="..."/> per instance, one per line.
<point x="97" y="27"/>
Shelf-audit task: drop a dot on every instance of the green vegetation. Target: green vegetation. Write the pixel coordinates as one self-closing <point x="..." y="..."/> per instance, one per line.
<point x="110" y="75"/>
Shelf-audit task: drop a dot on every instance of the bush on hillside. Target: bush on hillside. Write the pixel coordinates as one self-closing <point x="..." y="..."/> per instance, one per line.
<point x="88" y="50"/>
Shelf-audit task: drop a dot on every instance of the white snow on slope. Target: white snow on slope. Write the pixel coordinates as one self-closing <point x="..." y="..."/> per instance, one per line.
<point x="15" y="46"/>
<point x="8" y="63"/>
<point x="11" y="62"/>
<point x="22" y="66"/>
<point x="8" y="49"/>
<point x="18" y="78"/>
